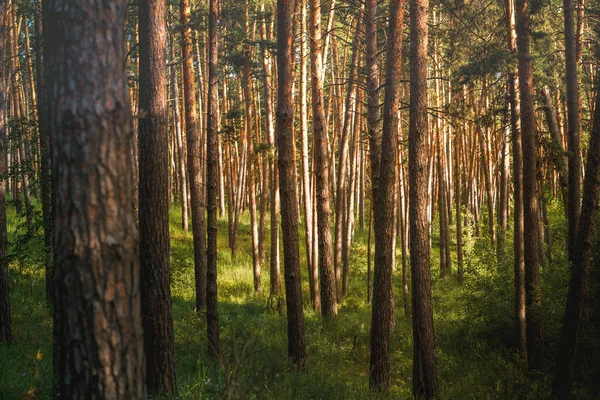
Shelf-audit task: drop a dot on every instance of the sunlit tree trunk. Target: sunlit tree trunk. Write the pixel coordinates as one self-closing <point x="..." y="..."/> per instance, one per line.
<point x="383" y="309"/>
<point x="424" y="362"/>
<point x="321" y="160"/>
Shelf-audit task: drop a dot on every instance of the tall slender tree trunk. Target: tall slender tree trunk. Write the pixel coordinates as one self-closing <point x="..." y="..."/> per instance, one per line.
<point x="45" y="181"/>
<point x="343" y="161"/>
<point x="179" y="137"/>
<point x="194" y="164"/>
<point x="424" y="362"/>
<point x="272" y="172"/>
<point x="157" y="314"/>
<point x="5" y="314"/>
<point x="533" y="295"/>
<point x="321" y="160"/>
<point x="250" y="158"/>
<point x="383" y="309"/>
<point x="517" y="152"/>
<point x="313" y="268"/>
<point x="96" y="247"/>
<point x="212" y="182"/>
<point x="574" y="193"/>
<point x="287" y="183"/>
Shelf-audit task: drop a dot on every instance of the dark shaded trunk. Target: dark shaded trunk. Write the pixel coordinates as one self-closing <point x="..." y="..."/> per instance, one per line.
<point x="288" y="183"/>
<point x="96" y="247"/>
<point x="212" y="183"/>
<point x="5" y="317"/>
<point x="44" y="156"/>
<point x="157" y="314"/>
<point x="580" y="266"/>
<point x="533" y="295"/>
<point x="517" y="154"/>
<point x="574" y="194"/>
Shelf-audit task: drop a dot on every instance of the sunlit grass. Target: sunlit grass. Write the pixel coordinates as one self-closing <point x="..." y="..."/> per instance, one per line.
<point x="473" y="328"/>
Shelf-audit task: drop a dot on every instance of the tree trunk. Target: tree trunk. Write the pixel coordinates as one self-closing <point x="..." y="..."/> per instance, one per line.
<point x="157" y="314"/>
<point x="194" y="167"/>
<point x="100" y="353"/>
<point x="288" y="183"/>
<point x="517" y="150"/>
<point x="5" y="315"/>
<point x="250" y="159"/>
<point x="382" y="309"/>
<point x="321" y="160"/>
<point x="573" y="124"/>
<point x="178" y="134"/>
<point x="424" y="362"/>
<point x="533" y="295"/>
<point x="212" y="182"/>
<point x="341" y="202"/>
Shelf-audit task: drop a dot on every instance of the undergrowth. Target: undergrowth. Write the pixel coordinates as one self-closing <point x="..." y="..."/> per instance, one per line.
<point x="473" y="323"/>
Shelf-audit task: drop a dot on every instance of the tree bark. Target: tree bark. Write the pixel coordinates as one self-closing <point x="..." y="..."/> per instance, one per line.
<point x="382" y="309"/>
<point x="157" y="314"/>
<point x="194" y="163"/>
<point x="288" y="183"/>
<point x="5" y="315"/>
<point x="533" y="300"/>
<point x="574" y="171"/>
<point x="321" y="161"/>
<point x="97" y="277"/>
<point x="424" y="362"/>
<point x="212" y="182"/>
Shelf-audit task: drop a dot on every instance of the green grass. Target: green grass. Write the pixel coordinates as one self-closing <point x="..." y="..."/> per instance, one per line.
<point x="473" y="326"/>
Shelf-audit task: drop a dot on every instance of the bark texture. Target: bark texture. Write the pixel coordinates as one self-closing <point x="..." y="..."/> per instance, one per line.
<point x="97" y="277"/>
<point x="383" y="310"/>
<point x="287" y="185"/>
<point x="424" y="362"/>
<point x="157" y="314"/>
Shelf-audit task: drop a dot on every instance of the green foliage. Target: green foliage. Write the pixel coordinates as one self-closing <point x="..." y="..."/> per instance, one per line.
<point x="473" y="322"/>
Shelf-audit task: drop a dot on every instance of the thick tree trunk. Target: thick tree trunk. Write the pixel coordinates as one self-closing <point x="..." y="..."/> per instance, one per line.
<point x="100" y="353"/>
<point x="157" y="314"/>
<point x="288" y="183"/>
<point x="424" y="362"/>
<point x="533" y="295"/>
<point x="383" y="309"/>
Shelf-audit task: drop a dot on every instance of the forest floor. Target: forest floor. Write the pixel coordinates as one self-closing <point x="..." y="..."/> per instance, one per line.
<point x="473" y="326"/>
